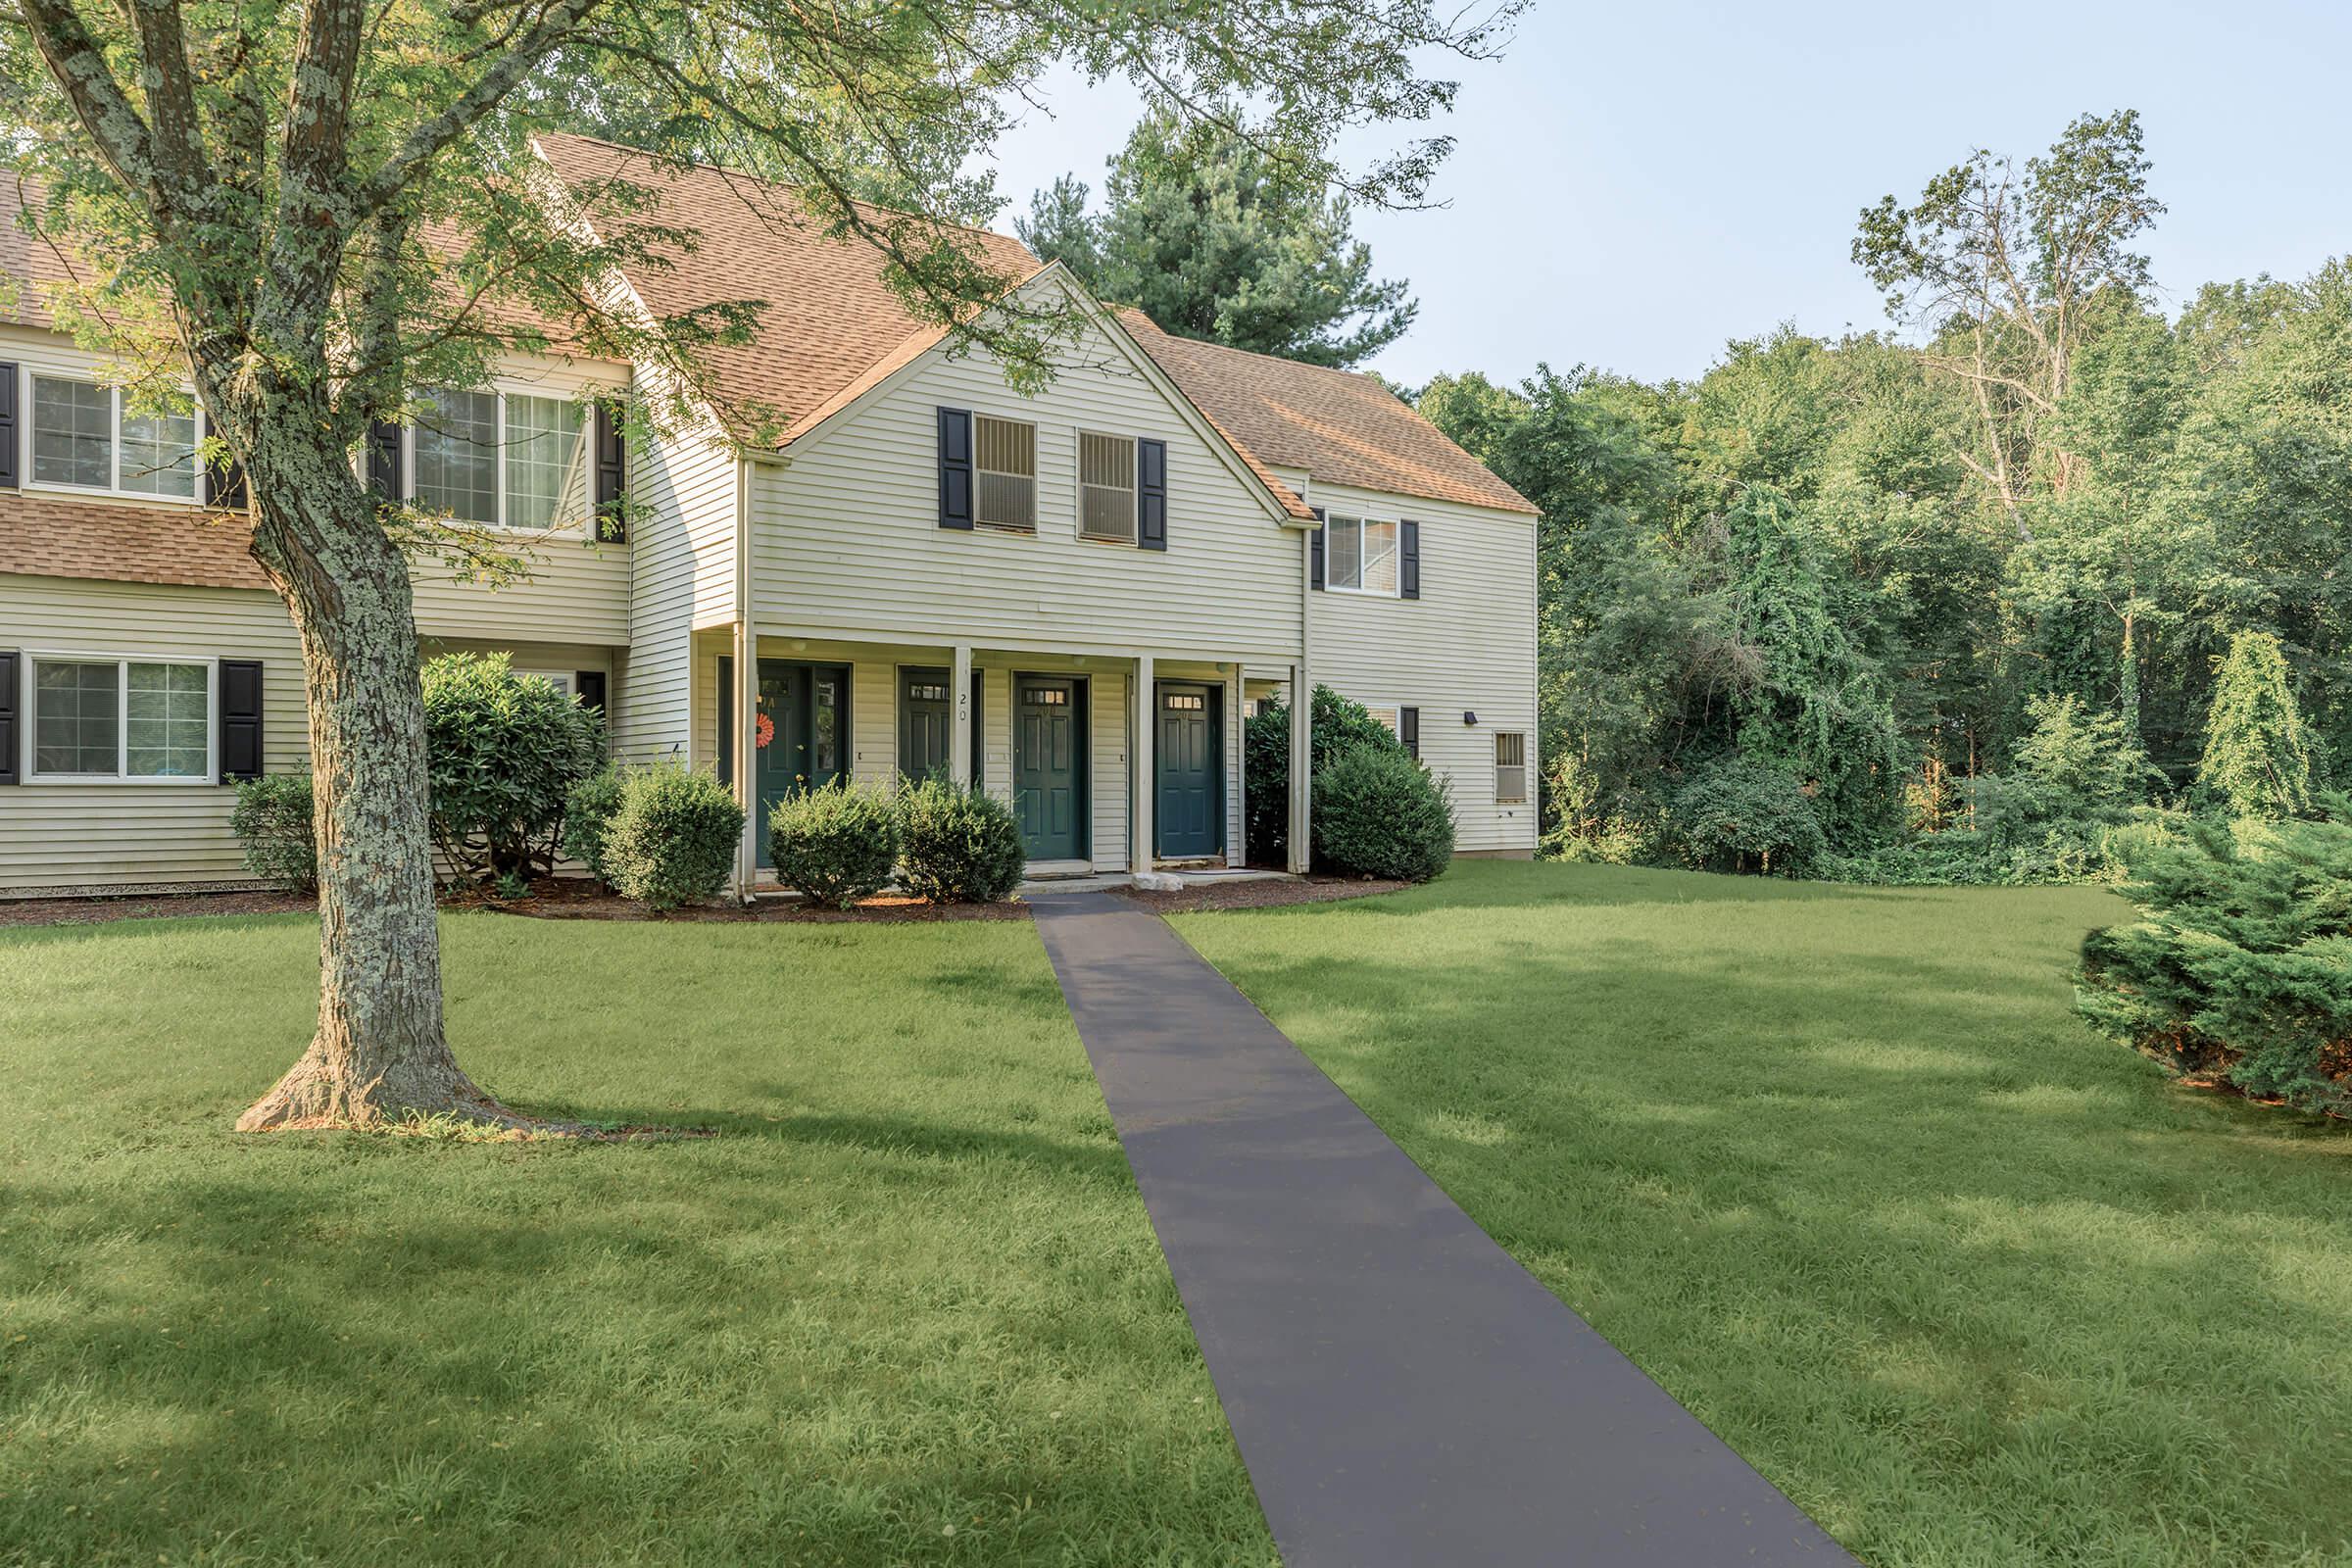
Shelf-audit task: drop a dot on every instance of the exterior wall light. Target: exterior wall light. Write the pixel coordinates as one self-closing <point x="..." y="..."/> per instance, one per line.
<point x="1468" y="717"/>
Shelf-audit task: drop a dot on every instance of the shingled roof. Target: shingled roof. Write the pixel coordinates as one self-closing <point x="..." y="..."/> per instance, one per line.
<point x="1339" y="426"/>
<point x="72" y="536"/>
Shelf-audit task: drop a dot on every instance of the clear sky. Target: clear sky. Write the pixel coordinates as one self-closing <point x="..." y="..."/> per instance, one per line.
<point x="1636" y="184"/>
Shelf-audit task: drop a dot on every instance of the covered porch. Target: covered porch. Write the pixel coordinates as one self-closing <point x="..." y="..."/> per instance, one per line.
<point x="1112" y="759"/>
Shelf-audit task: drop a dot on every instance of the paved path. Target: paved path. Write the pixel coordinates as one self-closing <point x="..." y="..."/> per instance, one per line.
<point x="1402" y="1391"/>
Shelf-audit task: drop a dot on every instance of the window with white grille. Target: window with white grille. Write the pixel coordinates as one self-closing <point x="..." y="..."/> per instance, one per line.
<point x="1005" y="473"/>
<point x="1107" y="486"/>
<point x="1511" y="768"/>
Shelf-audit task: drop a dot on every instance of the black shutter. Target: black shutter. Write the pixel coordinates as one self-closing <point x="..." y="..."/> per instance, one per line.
<point x="1409" y="730"/>
<point x="8" y="425"/>
<point x="1408" y="558"/>
<point x="10" y="772"/>
<point x="955" y="469"/>
<point x="224" y="484"/>
<point x="1151" y="494"/>
<point x="383" y="459"/>
<point x="589" y="684"/>
<point x="1314" y="551"/>
<point x="611" y="477"/>
<point x="726" y="719"/>
<point x="240" y="719"/>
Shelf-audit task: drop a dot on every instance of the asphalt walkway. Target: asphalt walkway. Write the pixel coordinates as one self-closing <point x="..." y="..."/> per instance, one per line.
<point x="1402" y="1391"/>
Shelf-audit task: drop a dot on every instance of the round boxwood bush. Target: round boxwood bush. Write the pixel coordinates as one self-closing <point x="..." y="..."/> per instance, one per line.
<point x="1336" y="725"/>
<point x="1743" y="815"/>
<point x="587" y="816"/>
<point x="503" y="752"/>
<point x="673" y="838"/>
<point x="834" y="845"/>
<point x="1377" y="813"/>
<point x="272" y="820"/>
<point x="957" y="844"/>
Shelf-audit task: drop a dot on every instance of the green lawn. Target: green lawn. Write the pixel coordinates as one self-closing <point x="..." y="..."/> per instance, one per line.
<point x="907" y="1310"/>
<point x="1839" y="1169"/>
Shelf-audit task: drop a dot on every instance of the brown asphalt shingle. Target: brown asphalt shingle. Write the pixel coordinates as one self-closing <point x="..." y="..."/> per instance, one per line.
<point x="74" y="536"/>
<point x="1339" y="426"/>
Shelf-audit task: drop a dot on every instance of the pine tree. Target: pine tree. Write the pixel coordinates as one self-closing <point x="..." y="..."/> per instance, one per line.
<point x="2257" y="755"/>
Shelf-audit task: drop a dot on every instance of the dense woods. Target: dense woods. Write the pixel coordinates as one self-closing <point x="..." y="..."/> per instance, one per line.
<point x="1963" y="592"/>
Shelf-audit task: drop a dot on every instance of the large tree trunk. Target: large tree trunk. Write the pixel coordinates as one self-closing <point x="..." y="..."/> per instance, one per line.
<point x="380" y="1054"/>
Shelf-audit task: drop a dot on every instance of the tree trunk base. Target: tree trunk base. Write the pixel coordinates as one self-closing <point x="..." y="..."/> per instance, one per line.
<point x="313" y="1095"/>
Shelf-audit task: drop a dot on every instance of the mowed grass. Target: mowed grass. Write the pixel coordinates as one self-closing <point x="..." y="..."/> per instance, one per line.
<point x="1839" y="1169"/>
<point x="907" y="1308"/>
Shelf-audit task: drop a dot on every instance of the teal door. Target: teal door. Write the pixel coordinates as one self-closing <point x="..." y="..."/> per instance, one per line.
<point x="803" y="730"/>
<point x="924" y="714"/>
<point x="1188" y="811"/>
<point x="1049" y="765"/>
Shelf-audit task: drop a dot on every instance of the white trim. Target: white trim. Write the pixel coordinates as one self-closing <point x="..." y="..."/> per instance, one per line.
<point x="28" y="719"/>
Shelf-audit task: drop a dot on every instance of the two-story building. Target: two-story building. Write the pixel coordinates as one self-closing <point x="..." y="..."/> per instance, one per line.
<point x="1071" y="598"/>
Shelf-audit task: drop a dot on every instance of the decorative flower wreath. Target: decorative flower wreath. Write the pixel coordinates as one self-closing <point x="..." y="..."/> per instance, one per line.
<point x="765" y="729"/>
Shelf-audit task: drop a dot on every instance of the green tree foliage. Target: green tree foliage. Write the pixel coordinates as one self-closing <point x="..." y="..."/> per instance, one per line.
<point x="2239" y="970"/>
<point x="1216" y="234"/>
<point x="2257" y="759"/>
<point x="1336" y="727"/>
<point x="1745" y="815"/>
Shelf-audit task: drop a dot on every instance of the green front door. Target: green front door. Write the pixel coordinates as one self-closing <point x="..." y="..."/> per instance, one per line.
<point x="1188" y="802"/>
<point x="924" y="714"/>
<point x="803" y="730"/>
<point x="1049" y="765"/>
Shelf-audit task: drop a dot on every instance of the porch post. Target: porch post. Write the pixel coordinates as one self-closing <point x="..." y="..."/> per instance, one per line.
<point x="1237" y="726"/>
<point x="1302" y="705"/>
<point x="1144" y="790"/>
<point x="960" y="707"/>
<point x="745" y="781"/>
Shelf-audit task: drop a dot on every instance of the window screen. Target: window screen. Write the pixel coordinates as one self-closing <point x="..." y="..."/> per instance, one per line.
<point x="159" y="452"/>
<point x="1511" y="768"/>
<point x="1106" y="486"/>
<point x="76" y="712"/>
<point x="547" y="462"/>
<point x="169" y="720"/>
<point x="73" y="433"/>
<point x="1004" y="466"/>
<point x="457" y="455"/>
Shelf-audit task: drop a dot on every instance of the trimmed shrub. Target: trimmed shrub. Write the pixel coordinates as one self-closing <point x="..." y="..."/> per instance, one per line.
<point x="1744" y="815"/>
<point x="672" y="840"/>
<point x="835" y="845"/>
<point x="503" y="752"/>
<point x="588" y="814"/>
<point x="272" y="820"/>
<point x="957" y="844"/>
<point x="1336" y="725"/>
<point x="1378" y="813"/>
<point x="2239" y="970"/>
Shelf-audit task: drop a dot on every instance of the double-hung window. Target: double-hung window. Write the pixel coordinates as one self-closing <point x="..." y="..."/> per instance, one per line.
<point x="91" y="437"/>
<point x="1106" y="487"/>
<point x="1360" y="555"/>
<point x="1005" y="471"/>
<point x="1511" y="768"/>
<point x="505" y="460"/>
<point x="121" y="718"/>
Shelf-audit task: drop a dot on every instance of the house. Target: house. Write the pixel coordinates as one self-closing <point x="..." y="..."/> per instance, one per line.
<point x="1072" y="598"/>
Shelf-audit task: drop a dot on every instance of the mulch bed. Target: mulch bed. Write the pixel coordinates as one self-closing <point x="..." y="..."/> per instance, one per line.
<point x="149" y="906"/>
<point x="571" y="898"/>
<point x="1259" y="894"/>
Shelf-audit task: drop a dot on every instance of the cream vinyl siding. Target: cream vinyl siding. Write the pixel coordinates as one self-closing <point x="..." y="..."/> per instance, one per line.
<point x="122" y="835"/>
<point x="847" y="542"/>
<point x="1467" y="643"/>
<point x="681" y="576"/>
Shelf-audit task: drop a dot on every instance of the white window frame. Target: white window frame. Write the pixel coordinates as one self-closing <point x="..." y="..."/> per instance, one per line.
<point x="1135" y="488"/>
<point x="1525" y="785"/>
<point x="25" y="375"/>
<point x="1035" y="477"/>
<point x="28" y="720"/>
<point x="501" y="391"/>
<point x="1330" y="584"/>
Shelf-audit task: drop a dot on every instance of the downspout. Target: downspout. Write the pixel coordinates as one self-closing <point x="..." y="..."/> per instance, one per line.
<point x="747" y="689"/>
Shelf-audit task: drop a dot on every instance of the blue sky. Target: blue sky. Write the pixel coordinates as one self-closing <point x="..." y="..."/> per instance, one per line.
<point x="1636" y="184"/>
